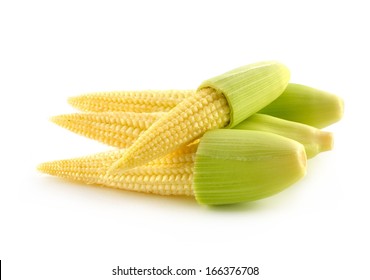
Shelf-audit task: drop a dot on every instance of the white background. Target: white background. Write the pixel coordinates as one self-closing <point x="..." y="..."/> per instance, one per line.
<point x="53" y="229"/>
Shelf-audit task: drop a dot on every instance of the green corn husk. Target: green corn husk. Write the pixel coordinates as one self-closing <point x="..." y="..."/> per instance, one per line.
<point x="234" y="166"/>
<point x="306" y="105"/>
<point x="314" y="140"/>
<point x="250" y="88"/>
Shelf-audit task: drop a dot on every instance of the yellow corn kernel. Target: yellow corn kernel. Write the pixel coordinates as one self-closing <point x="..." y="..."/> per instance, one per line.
<point x="113" y="128"/>
<point x="130" y="101"/>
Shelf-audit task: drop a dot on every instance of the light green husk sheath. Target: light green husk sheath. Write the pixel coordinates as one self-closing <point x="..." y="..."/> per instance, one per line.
<point x="233" y="166"/>
<point x="314" y="140"/>
<point x="250" y="88"/>
<point x="306" y="105"/>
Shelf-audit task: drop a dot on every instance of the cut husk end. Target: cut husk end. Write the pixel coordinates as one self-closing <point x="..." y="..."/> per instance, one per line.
<point x="250" y="88"/>
<point x="326" y="141"/>
<point x="233" y="166"/>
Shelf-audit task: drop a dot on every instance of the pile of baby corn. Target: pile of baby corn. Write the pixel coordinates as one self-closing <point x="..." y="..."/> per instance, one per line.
<point x="240" y="136"/>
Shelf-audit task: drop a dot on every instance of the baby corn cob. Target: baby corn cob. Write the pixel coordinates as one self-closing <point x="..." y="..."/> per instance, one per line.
<point x="222" y="101"/>
<point x="130" y="101"/>
<point x="298" y="103"/>
<point x="170" y="175"/>
<point x="228" y="166"/>
<point x="122" y="129"/>
<point x="113" y="128"/>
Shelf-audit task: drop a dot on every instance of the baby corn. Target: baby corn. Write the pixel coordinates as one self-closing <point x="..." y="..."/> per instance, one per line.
<point x="222" y="101"/>
<point x="130" y="101"/>
<point x="298" y="103"/>
<point x="227" y="166"/>
<point x="122" y="129"/>
<point x="174" y="147"/>
<point x="112" y="128"/>
<point x="170" y="175"/>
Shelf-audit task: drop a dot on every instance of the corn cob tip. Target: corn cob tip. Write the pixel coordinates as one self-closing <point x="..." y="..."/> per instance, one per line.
<point x="87" y="102"/>
<point x="41" y="168"/>
<point x="45" y="168"/>
<point x="54" y="168"/>
<point x="71" y="122"/>
<point x="119" y="166"/>
<point x="74" y="101"/>
<point x="60" y="120"/>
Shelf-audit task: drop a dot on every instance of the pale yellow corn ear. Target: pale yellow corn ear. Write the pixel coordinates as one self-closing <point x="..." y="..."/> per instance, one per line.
<point x="113" y="128"/>
<point x="230" y="166"/>
<point x="221" y="101"/>
<point x="130" y="101"/>
<point x="122" y="129"/>
<point x="171" y="175"/>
